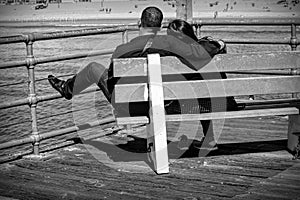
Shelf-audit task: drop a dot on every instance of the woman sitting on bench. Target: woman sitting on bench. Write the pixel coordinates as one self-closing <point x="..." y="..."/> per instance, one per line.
<point x="184" y="31"/>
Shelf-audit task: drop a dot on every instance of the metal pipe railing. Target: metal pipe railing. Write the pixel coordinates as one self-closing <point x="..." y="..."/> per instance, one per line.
<point x="32" y="96"/>
<point x="293" y="42"/>
<point x="62" y="34"/>
<point x="33" y="139"/>
<point x="23" y="102"/>
<point x="16" y="103"/>
<point x="246" y="22"/>
<point x="13" y="64"/>
<point x="31" y="62"/>
<point x="36" y="61"/>
<point x="268" y="72"/>
<point x="125" y="37"/>
<point x="260" y="41"/>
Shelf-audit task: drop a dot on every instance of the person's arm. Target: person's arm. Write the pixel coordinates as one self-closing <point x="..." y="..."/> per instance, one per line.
<point x="194" y="54"/>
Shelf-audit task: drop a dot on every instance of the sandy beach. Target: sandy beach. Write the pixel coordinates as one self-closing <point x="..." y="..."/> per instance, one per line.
<point x="132" y="9"/>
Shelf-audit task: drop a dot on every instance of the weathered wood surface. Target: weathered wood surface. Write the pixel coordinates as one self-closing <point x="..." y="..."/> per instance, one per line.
<point x="251" y="163"/>
<point x="216" y="115"/>
<point x="220" y="63"/>
<point x="211" y="88"/>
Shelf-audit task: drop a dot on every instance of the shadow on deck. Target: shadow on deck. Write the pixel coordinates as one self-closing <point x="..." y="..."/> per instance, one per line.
<point x="135" y="149"/>
<point x="116" y="167"/>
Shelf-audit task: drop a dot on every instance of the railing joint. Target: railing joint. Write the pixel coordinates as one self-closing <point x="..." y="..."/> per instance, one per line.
<point x="294" y="43"/>
<point x="30" y="62"/>
<point x="32" y="99"/>
<point x="36" y="142"/>
<point x="293" y="40"/>
<point x="30" y="38"/>
<point x="35" y="138"/>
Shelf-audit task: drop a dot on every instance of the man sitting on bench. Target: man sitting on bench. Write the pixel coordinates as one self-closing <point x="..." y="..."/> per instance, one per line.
<point x="149" y="41"/>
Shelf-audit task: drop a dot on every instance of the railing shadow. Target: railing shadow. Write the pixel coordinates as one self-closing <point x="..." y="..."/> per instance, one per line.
<point x="242" y="148"/>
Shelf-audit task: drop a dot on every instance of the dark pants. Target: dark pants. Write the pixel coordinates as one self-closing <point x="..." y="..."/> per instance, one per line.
<point x="92" y="73"/>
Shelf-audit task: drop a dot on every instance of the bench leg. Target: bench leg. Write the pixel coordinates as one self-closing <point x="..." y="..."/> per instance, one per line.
<point x="294" y="127"/>
<point x="157" y="148"/>
<point x="156" y="129"/>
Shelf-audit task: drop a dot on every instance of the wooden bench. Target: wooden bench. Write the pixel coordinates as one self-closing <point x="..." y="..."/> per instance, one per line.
<point x="154" y="91"/>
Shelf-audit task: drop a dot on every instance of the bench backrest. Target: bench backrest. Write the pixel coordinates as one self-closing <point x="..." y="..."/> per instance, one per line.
<point x="154" y="90"/>
<point x="186" y="89"/>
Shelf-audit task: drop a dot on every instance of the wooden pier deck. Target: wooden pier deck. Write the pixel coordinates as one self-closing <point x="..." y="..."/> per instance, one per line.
<point x="251" y="163"/>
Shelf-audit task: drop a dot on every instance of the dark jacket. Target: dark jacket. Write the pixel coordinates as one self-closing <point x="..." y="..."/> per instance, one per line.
<point x="193" y="55"/>
<point x="208" y="104"/>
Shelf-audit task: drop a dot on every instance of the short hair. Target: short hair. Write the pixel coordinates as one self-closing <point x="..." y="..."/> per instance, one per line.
<point x="151" y="17"/>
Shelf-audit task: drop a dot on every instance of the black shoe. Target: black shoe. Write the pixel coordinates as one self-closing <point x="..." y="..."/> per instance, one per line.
<point x="58" y="85"/>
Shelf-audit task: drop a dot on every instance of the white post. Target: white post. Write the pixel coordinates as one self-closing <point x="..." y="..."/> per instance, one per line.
<point x="156" y="129"/>
<point x="184" y="10"/>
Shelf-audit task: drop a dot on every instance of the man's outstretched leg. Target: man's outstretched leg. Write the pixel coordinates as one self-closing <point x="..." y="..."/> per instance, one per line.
<point x="92" y="73"/>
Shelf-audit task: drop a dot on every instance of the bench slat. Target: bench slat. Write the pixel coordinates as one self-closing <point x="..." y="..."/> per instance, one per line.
<point x="220" y="63"/>
<point x="211" y="88"/>
<point x="216" y="115"/>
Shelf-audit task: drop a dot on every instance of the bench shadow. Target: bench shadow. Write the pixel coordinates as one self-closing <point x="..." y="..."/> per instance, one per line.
<point x="135" y="149"/>
<point x="240" y="148"/>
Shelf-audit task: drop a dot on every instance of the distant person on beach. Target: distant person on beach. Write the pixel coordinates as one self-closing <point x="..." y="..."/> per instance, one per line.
<point x="184" y="31"/>
<point x="150" y="40"/>
<point x="215" y="14"/>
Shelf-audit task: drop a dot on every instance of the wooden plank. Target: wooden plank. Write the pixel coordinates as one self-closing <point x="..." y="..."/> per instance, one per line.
<point x="232" y="87"/>
<point x="130" y="67"/>
<point x="156" y="129"/>
<point x="216" y="115"/>
<point x="220" y="63"/>
<point x="78" y="173"/>
<point x="211" y="88"/>
<point x="284" y="185"/>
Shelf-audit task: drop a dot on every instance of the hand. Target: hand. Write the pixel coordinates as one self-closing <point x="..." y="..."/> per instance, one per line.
<point x="223" y="48"/>
<point x="217" y="43"/>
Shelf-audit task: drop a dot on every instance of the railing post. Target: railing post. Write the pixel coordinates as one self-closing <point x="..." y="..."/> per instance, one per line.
<point x="184" y="10"/>
<point x="198" y="31"/>
<point x="125" y="36"/>
<point x="32" y="95"/>
<point x="293" y="43"/>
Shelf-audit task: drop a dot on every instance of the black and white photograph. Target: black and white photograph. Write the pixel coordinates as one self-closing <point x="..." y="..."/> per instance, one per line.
<point x="150" y="99"/>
